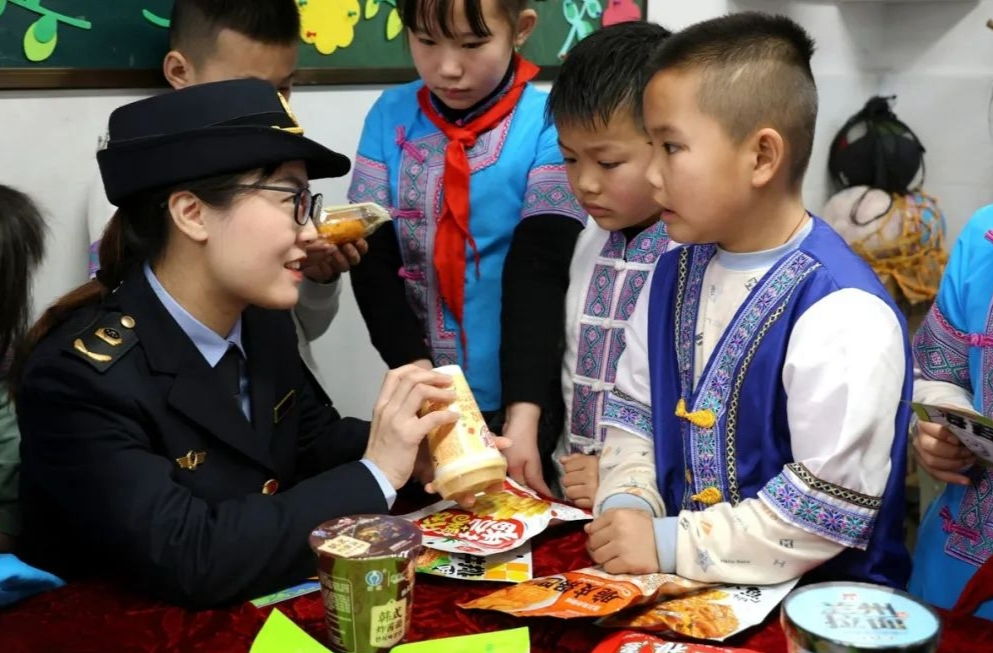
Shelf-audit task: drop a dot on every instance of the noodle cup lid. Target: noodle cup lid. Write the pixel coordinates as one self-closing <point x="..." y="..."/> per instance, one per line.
<point x="856" y="617"/>
<point x="365" y="536"/>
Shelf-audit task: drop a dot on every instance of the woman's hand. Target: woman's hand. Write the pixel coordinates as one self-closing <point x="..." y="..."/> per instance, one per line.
<point x="397" y="430"/>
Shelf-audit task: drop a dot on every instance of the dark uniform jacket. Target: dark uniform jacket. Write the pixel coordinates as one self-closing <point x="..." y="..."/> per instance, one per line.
<point x="135" y="461"/>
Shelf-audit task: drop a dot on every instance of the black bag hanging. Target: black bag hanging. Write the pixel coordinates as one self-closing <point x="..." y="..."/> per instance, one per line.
<point x="874" y="148"/>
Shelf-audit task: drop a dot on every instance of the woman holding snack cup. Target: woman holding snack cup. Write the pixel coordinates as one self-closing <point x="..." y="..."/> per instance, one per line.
<point x="169" y="434"/>
<point x="953" y="364"/>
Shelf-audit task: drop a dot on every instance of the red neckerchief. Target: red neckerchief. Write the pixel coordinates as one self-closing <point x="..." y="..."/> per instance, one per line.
<point x="452" y="230"/>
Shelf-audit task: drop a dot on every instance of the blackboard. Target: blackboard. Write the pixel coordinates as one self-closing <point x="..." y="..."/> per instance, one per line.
<point x="120" y="43"/>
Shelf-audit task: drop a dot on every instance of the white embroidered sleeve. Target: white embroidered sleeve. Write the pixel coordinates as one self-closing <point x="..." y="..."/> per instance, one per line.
<point x="746" y="544"/>
<point x="843" y="375"/>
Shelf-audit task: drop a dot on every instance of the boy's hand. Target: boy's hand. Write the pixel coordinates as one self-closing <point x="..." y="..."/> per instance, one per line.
<point x="326" y="262"/>
<point x="941" y="453"/>
<point x="622" y="541"/>
<point x="582" y="475"/>
<point x="523" y="459"/>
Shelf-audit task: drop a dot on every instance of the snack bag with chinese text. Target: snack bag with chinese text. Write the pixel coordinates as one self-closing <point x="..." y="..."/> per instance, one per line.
<point x="717" y="613"/>
<point x="972" y="429"/>
<point x="497" y="523"/>
<point x="628" y="641"/>
<point x="586" y="592"/>
<point x="510" y="567"/>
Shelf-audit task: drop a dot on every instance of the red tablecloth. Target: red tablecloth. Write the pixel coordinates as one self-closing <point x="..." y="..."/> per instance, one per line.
<point x="101" y="617"/>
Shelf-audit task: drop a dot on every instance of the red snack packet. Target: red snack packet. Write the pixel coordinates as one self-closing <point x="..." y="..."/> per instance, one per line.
<point x="629" y="641"/>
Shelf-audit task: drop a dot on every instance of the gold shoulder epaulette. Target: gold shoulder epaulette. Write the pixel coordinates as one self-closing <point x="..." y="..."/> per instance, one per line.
<point x="105" y="340"/>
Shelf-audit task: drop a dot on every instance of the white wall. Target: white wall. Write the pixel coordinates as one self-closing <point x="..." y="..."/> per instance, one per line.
<point x="938" y="60"/>
<point x="48" y="138"/>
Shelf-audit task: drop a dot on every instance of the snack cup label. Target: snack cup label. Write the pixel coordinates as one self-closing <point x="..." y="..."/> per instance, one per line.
<point x="366" y="571"/>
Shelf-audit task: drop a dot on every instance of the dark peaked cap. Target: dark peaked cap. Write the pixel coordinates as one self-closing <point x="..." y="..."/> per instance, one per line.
<point x="206" y="130"/>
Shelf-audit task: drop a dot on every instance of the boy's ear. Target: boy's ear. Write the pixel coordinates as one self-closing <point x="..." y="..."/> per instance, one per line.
<point x="526" y="22"/>
<point x="178" y="70"/>
<point x="768" y="153"/>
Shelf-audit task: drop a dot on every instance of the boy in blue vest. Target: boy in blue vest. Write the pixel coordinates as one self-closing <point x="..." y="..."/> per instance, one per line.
<point x="767" y="375"/>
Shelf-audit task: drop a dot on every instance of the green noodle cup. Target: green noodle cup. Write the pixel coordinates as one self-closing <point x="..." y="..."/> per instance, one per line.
<point x="858" y="618"/>
<point x="366" y="567"/>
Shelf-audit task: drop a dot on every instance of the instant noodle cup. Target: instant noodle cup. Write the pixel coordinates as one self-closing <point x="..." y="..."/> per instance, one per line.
<point x="858" y="618"/>
<point x="345" y="224"/>
<point x="365" y="564"/>
<point x="465" y="457"/>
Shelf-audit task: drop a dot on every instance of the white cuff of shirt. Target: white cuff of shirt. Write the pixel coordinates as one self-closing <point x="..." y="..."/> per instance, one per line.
<point x="388" y="492"/>
<point x="666" y="537"/>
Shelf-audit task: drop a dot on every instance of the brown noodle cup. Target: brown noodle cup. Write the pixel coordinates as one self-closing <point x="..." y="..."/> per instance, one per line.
<point x="365" y="564"/>
<point x="466" y="460"/>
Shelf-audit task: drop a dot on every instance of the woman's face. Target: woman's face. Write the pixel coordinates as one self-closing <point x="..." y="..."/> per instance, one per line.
<point x="255" y="247"/>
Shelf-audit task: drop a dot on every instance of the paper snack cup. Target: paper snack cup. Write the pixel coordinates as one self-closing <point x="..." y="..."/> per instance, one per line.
<point x="365" y="564"/>
<point x="466" y="460"/>
<point x="843" y="617"/>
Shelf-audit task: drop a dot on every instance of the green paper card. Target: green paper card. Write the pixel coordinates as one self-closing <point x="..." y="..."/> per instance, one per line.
<point x="517" y="640"/>
<point x="280" y="635"/>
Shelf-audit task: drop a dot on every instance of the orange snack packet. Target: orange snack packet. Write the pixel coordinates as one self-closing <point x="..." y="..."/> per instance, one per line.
<point x="588" y="592"/>
<point x="715" y="613"/>
<point x="629" y="641"/>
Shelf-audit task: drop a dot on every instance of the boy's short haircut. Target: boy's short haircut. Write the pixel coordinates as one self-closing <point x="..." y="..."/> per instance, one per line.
<point x="195" y="24"/>
<point x="603" y="74"/>
<point x="754" y="73"/>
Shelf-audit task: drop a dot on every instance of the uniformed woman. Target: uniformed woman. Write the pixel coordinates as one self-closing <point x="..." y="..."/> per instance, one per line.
<point x="169" y="434"/>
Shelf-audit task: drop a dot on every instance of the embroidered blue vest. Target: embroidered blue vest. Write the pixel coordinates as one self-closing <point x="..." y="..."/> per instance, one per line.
<point x="747" y="451"/>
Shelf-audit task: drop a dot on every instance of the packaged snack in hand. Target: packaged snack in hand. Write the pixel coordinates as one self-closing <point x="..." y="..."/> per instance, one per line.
<point x="588" y="592"/>
<point x="497" y="522"/>
<point x="346" y="224"/>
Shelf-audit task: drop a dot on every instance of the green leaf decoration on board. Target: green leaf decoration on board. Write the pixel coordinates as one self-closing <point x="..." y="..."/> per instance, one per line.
<point x="371" y="9"/>
<point x="3" y="5"/>
<point x="393" y="25"/>
<point x="41" y="38"/>
<point x="158" y="21"/>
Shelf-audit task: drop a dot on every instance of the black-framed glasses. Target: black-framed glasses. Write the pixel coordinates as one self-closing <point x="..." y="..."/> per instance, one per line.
<point x="307" y="205"/>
